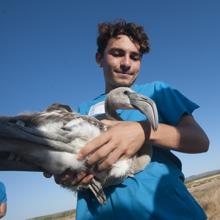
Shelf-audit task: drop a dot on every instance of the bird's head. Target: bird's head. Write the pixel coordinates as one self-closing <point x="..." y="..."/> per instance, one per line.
<point x="58" y="106"/>
<point x="126" y="98"/>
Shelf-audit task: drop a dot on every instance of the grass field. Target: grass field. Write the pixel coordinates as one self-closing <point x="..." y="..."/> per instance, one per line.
<point x="206" y="191"/>
<point x="68" y="215"/>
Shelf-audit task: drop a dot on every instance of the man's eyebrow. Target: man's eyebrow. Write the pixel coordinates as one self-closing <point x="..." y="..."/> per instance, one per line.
<point x="135" y="52"/>
<point x="118" y="48"/>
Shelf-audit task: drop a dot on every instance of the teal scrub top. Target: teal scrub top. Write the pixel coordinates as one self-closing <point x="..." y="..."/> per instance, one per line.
<point x="3" y="197"/>
<point x="157" y="192"/>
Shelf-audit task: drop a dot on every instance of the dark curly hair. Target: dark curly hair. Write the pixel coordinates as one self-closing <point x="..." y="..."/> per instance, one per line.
<point x="110" y="30"/>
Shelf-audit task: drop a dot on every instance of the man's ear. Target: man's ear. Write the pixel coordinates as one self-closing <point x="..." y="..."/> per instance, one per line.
<point x="99" y="57"/>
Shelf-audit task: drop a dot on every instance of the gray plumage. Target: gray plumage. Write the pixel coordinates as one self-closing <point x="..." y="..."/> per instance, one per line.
<point x="49" y="141"/>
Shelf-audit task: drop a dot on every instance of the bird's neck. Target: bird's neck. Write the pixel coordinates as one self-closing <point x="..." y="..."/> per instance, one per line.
<point x="110" y="111"/>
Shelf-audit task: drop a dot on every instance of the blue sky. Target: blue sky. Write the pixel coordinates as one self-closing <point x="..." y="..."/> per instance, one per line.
<point x="47" y="54"/>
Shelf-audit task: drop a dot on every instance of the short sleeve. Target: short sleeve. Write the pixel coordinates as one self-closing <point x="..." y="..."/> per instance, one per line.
<point x="3" y="197"/>
<point x="83" y="109"/>
<point x="172" y="104"/>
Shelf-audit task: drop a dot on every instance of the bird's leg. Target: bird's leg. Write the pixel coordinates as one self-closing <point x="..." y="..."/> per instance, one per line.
<point x="96" y="187"/>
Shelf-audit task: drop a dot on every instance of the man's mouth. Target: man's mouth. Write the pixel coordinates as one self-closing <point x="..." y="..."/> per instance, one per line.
<point x="121" y="72"/>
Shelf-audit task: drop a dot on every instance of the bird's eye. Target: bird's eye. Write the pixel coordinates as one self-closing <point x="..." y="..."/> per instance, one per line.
<point x="126" y="92"/>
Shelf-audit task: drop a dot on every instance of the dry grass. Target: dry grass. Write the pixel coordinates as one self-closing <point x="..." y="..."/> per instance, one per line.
<point x="207" y="192"/>
<point x="67" y="215"/>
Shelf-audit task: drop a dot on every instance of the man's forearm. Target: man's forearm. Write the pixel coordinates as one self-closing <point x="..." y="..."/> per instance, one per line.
<point x="3" y="208"/>
<point x="187" y="136"/>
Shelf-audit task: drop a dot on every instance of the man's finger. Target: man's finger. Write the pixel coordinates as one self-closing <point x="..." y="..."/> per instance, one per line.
<point x="110" y="160"/>
<point x="93" y="145"/>
<point x="110" y="122"/>
<point x="78" y="178"/>
<point x="67" y="176"/>
<point x="86" y="180"/>
<point x="101" y="153"/>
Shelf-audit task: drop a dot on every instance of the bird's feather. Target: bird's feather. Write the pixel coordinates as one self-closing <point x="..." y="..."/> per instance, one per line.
<point x="49" y="141"/>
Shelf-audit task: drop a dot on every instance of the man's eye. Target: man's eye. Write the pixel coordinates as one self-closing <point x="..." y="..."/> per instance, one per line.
<point x="135" y="56"/>
<point x="117" y="53"/>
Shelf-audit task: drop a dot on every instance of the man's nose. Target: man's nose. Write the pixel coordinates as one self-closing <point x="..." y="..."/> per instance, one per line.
<point x="125" y="63"/>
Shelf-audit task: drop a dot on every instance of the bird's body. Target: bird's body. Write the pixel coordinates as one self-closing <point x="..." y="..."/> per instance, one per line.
<point x="62" y="126"/>
<point x="51" y="139"/>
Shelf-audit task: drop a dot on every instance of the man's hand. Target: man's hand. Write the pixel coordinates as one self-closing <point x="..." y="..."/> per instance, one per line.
<point x="69" y="178"/>
<point x="123" y="139"/>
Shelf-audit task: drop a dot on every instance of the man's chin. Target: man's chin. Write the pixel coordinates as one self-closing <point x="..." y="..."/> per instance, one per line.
<point x="124" y="83"/>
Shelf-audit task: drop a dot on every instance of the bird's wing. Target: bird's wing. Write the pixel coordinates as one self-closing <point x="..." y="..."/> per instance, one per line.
<point x="10" y="159"/>
<point x="12" y="162"/>
<point x="13" y="165"/>
<point x="26" y="142"/>
<point x="9" y="130"/>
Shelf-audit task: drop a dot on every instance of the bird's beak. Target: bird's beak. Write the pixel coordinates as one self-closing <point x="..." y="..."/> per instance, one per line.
<point x="146" y="106"/>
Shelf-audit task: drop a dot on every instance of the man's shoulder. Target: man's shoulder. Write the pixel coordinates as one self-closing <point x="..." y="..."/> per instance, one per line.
<point x="85" y="106"/>
<point x="151" y="88"/>
<point x="2" y="186"/>
<point x="151" y="85"/>
<point x="148" y="89"/>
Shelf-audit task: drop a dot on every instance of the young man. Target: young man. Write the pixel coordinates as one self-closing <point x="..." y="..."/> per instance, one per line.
<point x="157" y="192"/>
<point x="3" y="200"/>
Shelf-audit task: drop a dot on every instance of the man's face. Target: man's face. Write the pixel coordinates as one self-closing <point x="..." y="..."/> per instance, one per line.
<point x="120" y="62"/>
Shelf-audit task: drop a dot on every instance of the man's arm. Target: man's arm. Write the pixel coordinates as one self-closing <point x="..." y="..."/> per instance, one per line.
<point x="125" y="138"/>
<point x="186" y="137"/>
<point x="3" y="209"/>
